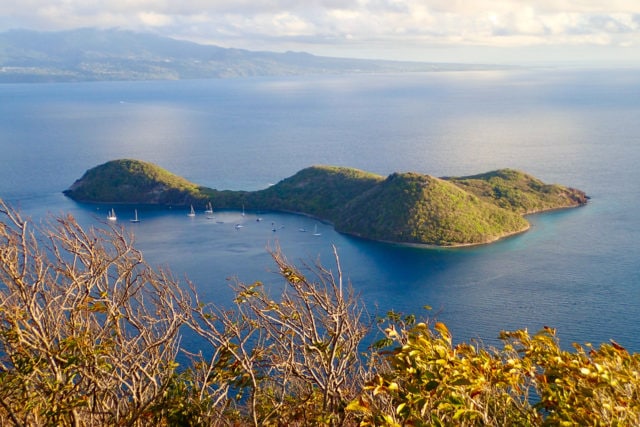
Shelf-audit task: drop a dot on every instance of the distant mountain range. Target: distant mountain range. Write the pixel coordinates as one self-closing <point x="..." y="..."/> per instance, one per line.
<point x="92" y="55"/>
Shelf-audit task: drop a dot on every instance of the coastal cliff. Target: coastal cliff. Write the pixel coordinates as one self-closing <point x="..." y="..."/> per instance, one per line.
<point x="403" y="207"/>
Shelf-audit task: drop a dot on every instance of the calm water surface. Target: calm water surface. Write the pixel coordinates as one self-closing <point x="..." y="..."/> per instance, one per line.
<point x="576" y="270"/>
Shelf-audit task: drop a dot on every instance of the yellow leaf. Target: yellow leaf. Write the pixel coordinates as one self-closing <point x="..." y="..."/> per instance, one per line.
<point x="390" y="421"/>
<point x="358" y="405"/>
<point x="421" y="325"/>
<point x="442" y="328"/>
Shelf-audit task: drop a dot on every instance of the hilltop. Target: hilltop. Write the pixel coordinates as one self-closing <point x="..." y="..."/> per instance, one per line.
<point x="403" y="207"/>
<point x="517" y="191"/>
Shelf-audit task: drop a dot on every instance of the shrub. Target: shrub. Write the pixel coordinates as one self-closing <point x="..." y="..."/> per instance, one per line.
<point x="530" y="381"/>
<point x="88" y="331"/>
<point x="89" y="336"/>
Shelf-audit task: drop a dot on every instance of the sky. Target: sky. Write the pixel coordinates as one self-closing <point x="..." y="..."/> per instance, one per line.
<point x="468" y="31"/>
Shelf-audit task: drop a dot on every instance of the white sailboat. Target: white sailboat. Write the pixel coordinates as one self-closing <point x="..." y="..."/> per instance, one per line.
<point x="192" y="212"/>
<point x="316" y="232"/>
<point x="135" y="216"/>
<point x="209" y="211"/>
<point x="111" y="216"/>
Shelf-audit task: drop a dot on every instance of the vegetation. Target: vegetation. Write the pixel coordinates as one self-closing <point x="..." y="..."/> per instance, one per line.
<point x="321" y="191"/>
<point x="131" y="181"/>
<point x="90" y="336"/>
<point x="406" y="208"/>
<point x="517" y="191"/>
<point x="418" y="208"/>
<point x="531" y="381"/>
<point x="88" y="332"/>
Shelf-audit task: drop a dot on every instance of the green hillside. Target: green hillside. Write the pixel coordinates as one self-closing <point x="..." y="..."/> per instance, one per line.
<point x="321" y="191"/>
<point x="404" y="207"/>
<point x="522" y="193"/>
<point x="417" y="208"/>
<point x="133" y="181"/>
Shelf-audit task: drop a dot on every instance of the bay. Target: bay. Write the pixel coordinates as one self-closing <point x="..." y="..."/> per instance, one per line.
<point x="576" y="270"/>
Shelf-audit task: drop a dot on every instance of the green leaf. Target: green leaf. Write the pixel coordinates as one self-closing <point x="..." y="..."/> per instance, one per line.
<point x="432" y="385"/>
<point x="461" y="382"/>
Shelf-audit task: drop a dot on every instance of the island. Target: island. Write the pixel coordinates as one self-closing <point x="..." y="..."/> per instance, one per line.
<point x="407" y="208"/>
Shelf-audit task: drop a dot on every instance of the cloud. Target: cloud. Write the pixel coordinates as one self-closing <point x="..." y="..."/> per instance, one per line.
<point x="273" y="23"/>
<point x="153" y="19"/>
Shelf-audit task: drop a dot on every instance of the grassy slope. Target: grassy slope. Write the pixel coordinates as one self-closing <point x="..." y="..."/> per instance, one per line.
<point x="517" y="191"/>
<point x="417" y="208"/>
<point x="321" y="191"/>
<point x="129" y="181"/>
<point x="408" y="207"/>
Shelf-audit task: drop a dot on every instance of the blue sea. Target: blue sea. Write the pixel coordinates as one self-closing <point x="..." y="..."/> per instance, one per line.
<point x="576" y="270"/>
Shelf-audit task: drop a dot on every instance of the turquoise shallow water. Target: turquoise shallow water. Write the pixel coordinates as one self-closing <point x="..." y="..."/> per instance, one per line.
<point x="576" y="270"/>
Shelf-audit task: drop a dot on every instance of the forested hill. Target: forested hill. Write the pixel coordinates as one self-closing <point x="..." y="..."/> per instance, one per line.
<point x="403" y="207"/>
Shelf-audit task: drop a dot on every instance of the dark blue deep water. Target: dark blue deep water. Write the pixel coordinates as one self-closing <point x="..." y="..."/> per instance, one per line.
<point x="576" y="270"/>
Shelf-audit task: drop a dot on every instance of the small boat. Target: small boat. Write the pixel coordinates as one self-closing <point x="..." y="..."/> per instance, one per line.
<point x="135" y="216"/>
<point x="302" y="230"/>
<point x="192" y="212"/>
<point x="239" y="226"/>
<point x="209" y="211"/>
<point x="242" y="210"/>
<point x="315" y="231"/>
<point x="111" y="216"/>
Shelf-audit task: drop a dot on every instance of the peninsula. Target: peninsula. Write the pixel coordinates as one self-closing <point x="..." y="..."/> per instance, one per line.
<point x="407" y="208"/>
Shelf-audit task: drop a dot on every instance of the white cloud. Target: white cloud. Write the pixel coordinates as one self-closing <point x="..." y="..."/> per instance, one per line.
<point x="153" y="19"/>
<point x="349" y="24"/>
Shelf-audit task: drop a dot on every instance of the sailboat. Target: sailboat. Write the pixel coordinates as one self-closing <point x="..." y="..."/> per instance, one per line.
<point x="315" y="231"/>
<point x="242" y="210"/>
<point x="192" y="212"/>
<point x="135" y="217"/>
<point x="209" y="211"/>
<point x="111" y="216"/>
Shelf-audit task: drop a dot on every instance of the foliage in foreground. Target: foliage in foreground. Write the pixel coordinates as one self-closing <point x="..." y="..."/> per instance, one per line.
<point x="90" y="335"/>
<point x="530" y="381"/>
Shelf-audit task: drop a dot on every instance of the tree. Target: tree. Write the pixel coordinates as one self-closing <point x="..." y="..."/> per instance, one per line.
<point x="88" y="331"/>
<point x="89" y="336"/>
<point x="297" y="358"/>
